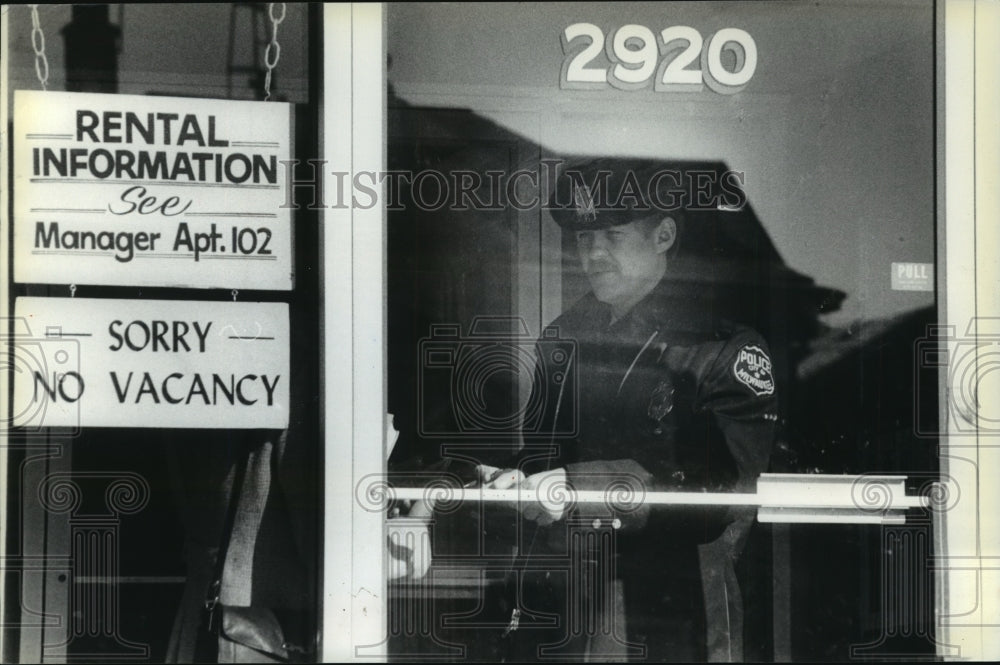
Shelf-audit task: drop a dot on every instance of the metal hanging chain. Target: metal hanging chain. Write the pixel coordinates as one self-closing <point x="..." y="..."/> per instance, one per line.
<point x="275" y="22"/>
<point x="38" y="45"/>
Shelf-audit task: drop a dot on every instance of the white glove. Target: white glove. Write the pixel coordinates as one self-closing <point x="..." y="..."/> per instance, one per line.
<point x="491" y="477"/>
<point x="543" y="495"/>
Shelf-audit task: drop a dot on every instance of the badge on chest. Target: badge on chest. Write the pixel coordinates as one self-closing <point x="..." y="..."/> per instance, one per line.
<point x="661" y="401"/>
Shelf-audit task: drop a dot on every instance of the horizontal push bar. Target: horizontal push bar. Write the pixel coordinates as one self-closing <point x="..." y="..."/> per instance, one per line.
<point x="780" y="497"/>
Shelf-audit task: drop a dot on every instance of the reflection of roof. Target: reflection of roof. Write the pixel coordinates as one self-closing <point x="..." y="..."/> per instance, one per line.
<point x="700" y="188"/>
<point x="728" y="246"/>
<point x="726" y="250"/>
<point x="838" y="344"/>
<point x="861" y="399"/>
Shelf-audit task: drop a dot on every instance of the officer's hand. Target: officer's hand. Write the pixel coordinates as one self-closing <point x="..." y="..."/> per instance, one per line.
<point x="409" y="543"/>
<point x="546" y="496"/>
<point x="542" y="495"/>
<point x="492" y="477"/>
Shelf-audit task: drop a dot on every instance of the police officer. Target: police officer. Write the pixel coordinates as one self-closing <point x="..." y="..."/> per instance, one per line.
<point x="671" y="396"/>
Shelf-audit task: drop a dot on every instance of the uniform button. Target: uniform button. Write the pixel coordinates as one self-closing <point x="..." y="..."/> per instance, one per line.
<point x="616" y="523"/>
<point x="596" y="524"/>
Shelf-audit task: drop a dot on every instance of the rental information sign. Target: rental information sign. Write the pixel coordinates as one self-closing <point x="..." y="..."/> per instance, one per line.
<point x="151" y="191"/>
<point x="139" y="363"/>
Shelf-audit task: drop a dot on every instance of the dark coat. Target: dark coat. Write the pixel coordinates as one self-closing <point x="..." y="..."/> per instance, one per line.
<point x="272" y="546"/>
<point x="668" y="398"/>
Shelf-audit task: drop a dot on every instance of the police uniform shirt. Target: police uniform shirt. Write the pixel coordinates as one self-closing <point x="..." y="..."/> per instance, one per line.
<point x="669" y="398"/>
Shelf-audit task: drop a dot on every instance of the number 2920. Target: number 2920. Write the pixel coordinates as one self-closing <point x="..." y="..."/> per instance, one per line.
<point x="637" y="56"/>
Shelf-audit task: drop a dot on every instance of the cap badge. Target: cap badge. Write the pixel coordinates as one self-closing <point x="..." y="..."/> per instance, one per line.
<point x="583" y="201"/>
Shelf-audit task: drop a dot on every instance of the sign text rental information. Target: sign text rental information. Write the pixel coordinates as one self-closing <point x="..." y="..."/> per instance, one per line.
<point x="138" y="363"/>
<point x="151" y="191"/>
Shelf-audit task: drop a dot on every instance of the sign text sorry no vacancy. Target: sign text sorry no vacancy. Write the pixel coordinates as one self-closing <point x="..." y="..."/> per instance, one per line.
<point x="139" y="363"/>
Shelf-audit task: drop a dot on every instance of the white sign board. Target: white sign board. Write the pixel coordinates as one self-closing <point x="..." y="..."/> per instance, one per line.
<point x="140" y="363"/>
<point x="151" y="191"/>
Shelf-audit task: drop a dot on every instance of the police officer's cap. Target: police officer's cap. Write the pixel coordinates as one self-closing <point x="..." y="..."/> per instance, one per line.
<point x="611" y="191"/>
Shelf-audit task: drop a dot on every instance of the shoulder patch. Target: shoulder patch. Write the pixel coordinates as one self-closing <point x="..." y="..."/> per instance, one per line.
<point x="752" y="368"/>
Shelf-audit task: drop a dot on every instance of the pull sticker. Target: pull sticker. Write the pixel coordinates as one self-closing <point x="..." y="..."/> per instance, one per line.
<point x="912" y="277"/>
<point x="753" y="369"/>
